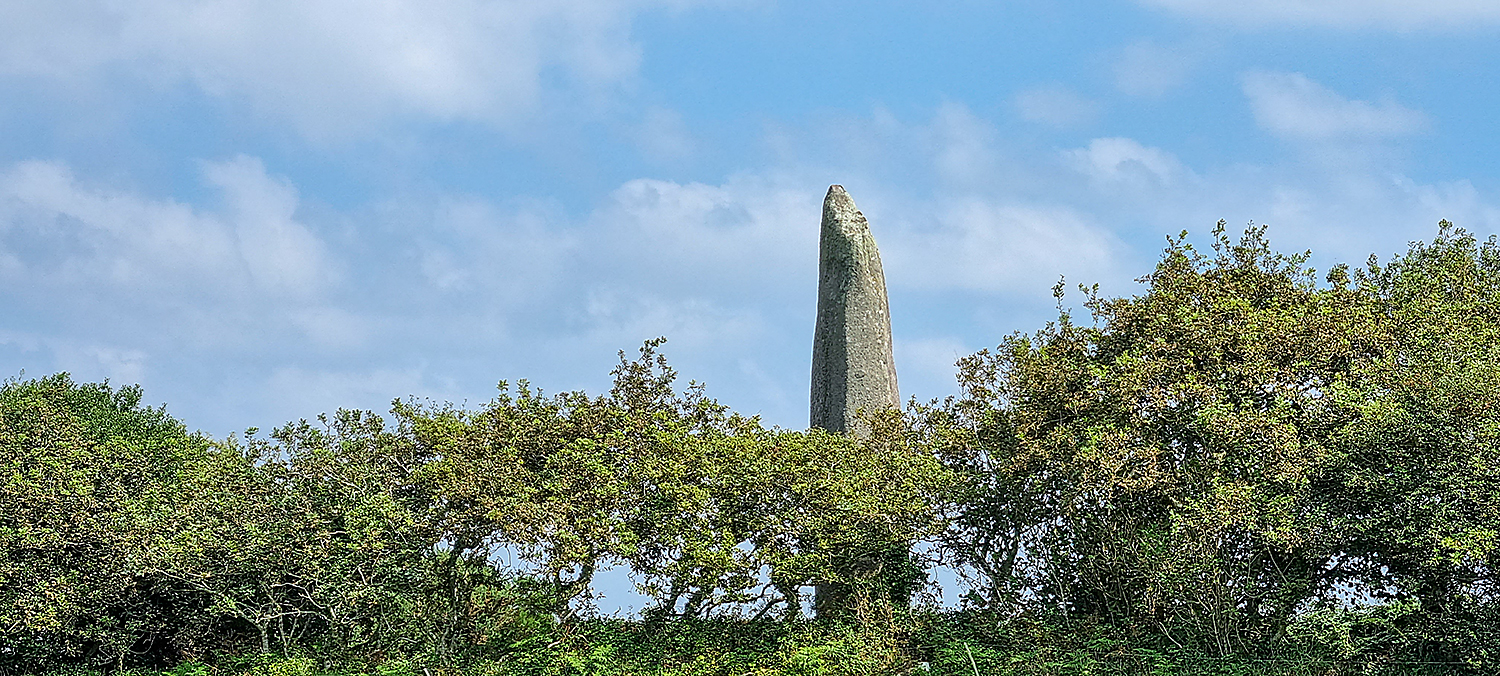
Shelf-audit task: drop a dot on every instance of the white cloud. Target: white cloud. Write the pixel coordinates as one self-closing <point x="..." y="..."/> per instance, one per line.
<point x="1147" y="69"/>
<point x="1292" y="106"/>
<point x="23" y="341"/>
<point x="748" y="231"/>
<point x="335" y="67"/>
<point x="310" y="391"/>
<point x="756" y="238"/>
<point x="1055" y="105"/>
<point x="615" y="316"/>
<point x="1126" y="161"/>
<point x="663" y="136"/>
<point x="962" y="145"/>
<point x="332" y="326"/>
<point x="972" y="232"/>
<point x="1348" y="216"/>
<point x="466" y="244"/>
<point x="1459" y="200"/>
<point x="280" y="253"/>
<point x="62" y="232"/>
<point x="86" y="359"/>
<point x="1381" y="14"/>
<point x="59" y="229"/>
<point x="1344" y="209"/>
<point x="118" y="266"/>
<point x="123" y="366"/>
<point x="957" y="226"/>
<point x="997" y="246"/>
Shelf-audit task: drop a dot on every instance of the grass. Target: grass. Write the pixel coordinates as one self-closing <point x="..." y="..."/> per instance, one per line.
<point x="936" y="645"/>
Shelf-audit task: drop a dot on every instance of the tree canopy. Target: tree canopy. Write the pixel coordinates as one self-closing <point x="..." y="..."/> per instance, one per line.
<point x="1245" y="458"/>
<point x="1220" y="457"/>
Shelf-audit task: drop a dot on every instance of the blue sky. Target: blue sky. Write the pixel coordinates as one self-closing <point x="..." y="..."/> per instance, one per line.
<point x="263" y="210"/>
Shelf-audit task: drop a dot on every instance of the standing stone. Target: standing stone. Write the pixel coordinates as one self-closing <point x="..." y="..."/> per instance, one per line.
<point x="853" y="367"/>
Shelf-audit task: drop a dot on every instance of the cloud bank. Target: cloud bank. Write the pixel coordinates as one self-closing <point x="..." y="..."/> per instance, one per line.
<point x="442" y="294"/>
<point x="336" y="68"/>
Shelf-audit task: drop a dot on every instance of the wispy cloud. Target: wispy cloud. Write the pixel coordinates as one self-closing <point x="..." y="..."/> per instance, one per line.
<point x="1057" y="106"/>
<point x="663" y="135"/>
<point x="1379" y="14"/>
<point x="1124" y="161"/>
<point x="62" y="233"/>
<point x="335" y="69"/>
<point x="1292" y="106"/>
<point x="1343" y="210"/>
<point x="1146" y="68"/>
<point x="997" y="246"/>
<point x="446" y="293"/>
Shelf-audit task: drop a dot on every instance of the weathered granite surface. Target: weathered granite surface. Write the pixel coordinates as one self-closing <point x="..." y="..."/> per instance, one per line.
<point x="853" y="366"/>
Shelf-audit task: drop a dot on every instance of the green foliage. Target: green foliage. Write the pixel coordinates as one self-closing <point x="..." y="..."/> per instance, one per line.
<point x="1239" y="470"/>
<point x="1419" y="498"/>
<point x="445" y="536"/>
<point x="695" y="500"/>
<point x="1212" y="460"/>
<point x="1158" y="467"/>
<point x="81" y="470"/>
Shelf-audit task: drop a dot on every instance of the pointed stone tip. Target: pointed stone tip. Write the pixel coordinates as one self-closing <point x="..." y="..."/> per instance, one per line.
<point x="840" y="214"/>
<point x="838" y="197"/>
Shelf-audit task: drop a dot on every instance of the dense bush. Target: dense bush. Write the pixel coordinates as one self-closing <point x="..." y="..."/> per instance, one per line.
<point x="1242" y="469"/>
<point x="1238" y="450"/>
<point x="86" y="472"/>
